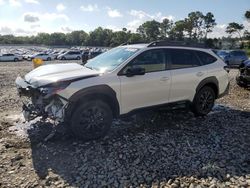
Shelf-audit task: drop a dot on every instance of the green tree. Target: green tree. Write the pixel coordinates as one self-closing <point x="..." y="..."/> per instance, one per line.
<point x="100" y="37"/>
<point x="43" y="38"/>
<point x="246" y="35"/>
<point x="193" y="24"/>
<point x="209" y="23"/>
<point x="247" y="15"/>
<point x="124" y="29"/>
<point x="76" y="38"/>
<point x="234" y="27"/>
<point x="8" y="39"/>
<point x="57" y="39"/>
<point x="119" y="37"/>
<point x="177" y="32"/>
<point x="150" y="30"/>
<point x="165" y="27"/>
<point x="136" y="38"/>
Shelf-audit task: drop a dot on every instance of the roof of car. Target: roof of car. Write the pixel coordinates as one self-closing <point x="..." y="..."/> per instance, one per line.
<point x="167" y="44"/>
<point x="143" y="45"/>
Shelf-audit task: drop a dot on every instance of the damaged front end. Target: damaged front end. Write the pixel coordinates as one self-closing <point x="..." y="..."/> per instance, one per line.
<point x="43" y="101"/>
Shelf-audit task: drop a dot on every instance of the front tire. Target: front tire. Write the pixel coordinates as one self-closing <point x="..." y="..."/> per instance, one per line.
<point x="91" y="120"/>
<point x="48" y="59"/>
<point x="203" y="101"/>
<point x="15" y="60"/>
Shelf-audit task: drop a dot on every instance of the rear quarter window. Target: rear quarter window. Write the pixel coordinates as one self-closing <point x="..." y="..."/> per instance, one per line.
<point x="206" y="58"/>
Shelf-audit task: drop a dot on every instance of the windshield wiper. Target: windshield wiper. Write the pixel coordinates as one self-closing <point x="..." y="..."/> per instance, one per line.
<point x="89" y="67"/>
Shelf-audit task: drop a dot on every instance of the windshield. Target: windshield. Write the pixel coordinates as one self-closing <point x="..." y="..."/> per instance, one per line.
<point x="111" y="59"/>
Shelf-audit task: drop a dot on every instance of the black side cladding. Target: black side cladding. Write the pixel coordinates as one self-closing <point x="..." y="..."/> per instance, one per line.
<point x="103" y="92"/>
<point x="209" y="81"/>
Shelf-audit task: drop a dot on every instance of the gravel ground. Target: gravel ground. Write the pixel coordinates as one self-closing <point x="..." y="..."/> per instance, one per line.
<point x="152" y="149"/>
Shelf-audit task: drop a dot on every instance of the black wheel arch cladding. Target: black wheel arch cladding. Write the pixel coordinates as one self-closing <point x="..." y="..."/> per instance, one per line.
<point x="102" y="92"/>
<point x="211" y="82"/>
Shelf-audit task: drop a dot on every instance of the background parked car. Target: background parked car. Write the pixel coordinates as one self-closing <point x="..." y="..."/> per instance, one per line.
<point x="243" y="78"/>
<point x="94" y="54"/>
<point x="70" y="55"/>
<point x="222" y="53"/>
<point x="235" y="57"/>
<point x="43" y="56"/>
<point x="11" y="57"/>
<point x="85" y="56"/>
<point x="27" y="56"/>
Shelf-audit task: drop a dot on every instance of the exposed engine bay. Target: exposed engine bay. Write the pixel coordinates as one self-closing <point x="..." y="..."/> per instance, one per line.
<point x="39" y="89"/>
<point x="41" y="101"/>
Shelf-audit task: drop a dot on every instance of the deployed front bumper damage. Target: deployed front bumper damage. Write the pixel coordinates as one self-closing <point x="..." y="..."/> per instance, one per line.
<point x="40" y="102"/>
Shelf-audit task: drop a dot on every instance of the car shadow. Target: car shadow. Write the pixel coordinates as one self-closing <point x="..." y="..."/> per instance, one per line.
<point x="149" y="147"/>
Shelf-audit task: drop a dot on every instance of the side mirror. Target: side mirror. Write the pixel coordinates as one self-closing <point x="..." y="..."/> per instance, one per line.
<point x="135" y="71"/>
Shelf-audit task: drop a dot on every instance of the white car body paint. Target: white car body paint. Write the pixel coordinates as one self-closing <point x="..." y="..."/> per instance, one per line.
<point x="135" y="92"/>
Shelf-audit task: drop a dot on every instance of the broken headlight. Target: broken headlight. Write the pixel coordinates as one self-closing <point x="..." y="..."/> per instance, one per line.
<point x="54" y="88"/>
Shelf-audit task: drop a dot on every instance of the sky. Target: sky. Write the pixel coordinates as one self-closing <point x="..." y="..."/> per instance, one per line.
<point x="29" y="17"/>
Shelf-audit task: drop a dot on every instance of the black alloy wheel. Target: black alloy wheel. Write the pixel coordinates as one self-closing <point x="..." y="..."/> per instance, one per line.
<point x="91" y="120"/>
<point x="203" y="101"/>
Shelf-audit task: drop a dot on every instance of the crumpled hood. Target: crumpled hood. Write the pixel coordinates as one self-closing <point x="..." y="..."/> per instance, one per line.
<point x="48" y="74"/>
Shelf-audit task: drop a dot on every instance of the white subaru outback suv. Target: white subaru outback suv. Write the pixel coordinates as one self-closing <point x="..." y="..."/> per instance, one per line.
<point x="121" y="81"/>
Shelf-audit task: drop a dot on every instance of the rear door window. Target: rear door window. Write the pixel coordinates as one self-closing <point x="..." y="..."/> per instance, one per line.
<point x="181" y="58"/>
<point x="151" y="60"/>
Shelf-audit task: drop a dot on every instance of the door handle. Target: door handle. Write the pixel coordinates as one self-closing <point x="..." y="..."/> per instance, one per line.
<point x="199" y="74"/>
<point x="164" y="79"/>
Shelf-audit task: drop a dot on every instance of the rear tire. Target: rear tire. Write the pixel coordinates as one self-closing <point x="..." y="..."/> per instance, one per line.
<point x="78" y="58"/>
<point x="15" y="60"/>
<point x="48" y="59"/>
<point x="91" y="120"/>
<point x="203" y="101"/>
<point x="63" y="58"/>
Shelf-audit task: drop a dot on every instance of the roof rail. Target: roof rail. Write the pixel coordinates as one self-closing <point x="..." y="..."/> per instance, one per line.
<point x="177" y="43"/>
